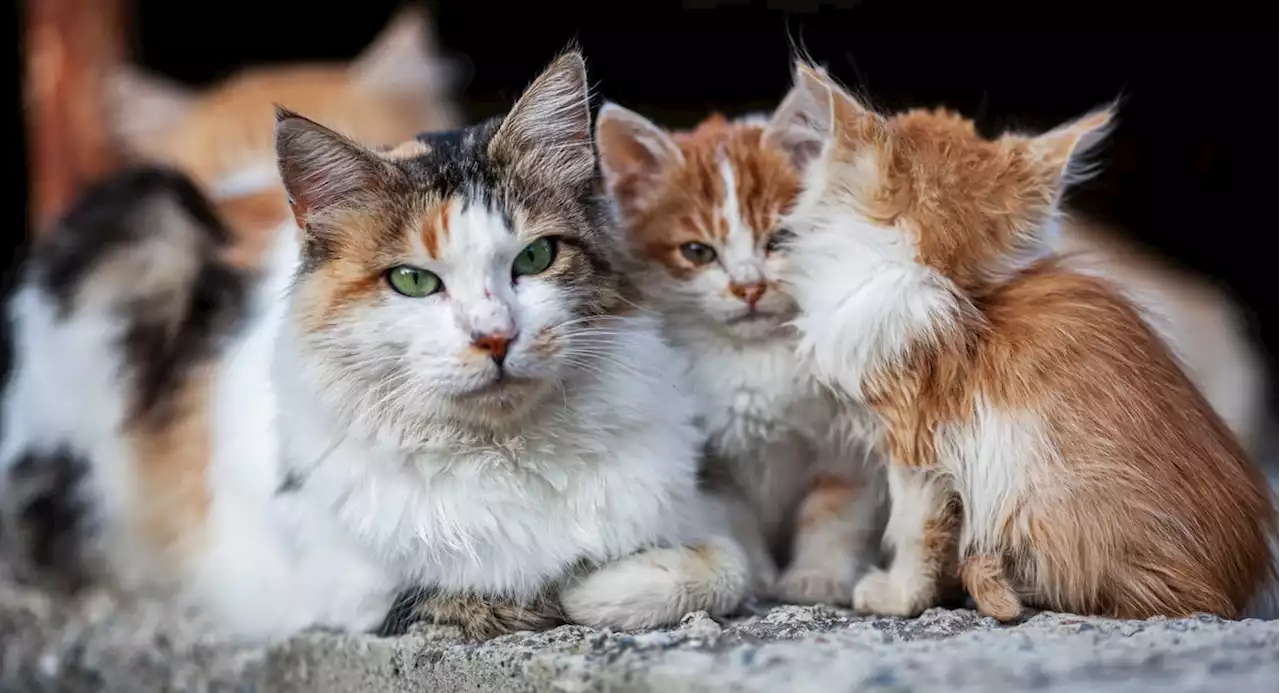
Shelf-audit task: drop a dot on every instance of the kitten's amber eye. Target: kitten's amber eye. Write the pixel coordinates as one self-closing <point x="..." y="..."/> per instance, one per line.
<point x="413" y="282"/>
<point x="698" y="253"/>
<point x="778" y="239"/>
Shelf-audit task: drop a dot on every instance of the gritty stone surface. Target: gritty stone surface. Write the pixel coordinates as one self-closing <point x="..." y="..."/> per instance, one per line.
<point x="94" y="644"/>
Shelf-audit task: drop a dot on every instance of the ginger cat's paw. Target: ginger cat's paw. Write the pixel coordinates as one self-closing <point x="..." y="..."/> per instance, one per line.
<point x="879" y="592"/>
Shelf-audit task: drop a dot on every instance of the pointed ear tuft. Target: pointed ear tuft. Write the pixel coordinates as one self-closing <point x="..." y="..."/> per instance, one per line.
<point x="634" y="154"/>
<point x="404" y="57"/>
<point x="322" y="170"/>
<point x="143" y="107"/>
<point x="1066" y="149"/>
<point x="547" y="134"/>
<point x="802" y="123"/>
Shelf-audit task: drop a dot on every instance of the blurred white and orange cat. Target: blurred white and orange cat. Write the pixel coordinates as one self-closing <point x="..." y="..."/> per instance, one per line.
<point x="222" y="135"/>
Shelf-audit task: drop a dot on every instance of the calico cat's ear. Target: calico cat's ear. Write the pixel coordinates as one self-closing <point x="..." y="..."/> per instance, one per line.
<point x="404" y="57"/>
<point x="813" y="112"/>
<point x="634" y="155"/>
<point x="547" y="134"/>
<point x="143" y="107"/>
<point x="324" y="171"/>
<point x="1064" y="151"/>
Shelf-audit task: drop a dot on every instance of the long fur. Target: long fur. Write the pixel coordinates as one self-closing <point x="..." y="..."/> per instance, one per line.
<point x="799" y="497"/>
<point x="1038" y="429"/>
<point x="359" y="450"/>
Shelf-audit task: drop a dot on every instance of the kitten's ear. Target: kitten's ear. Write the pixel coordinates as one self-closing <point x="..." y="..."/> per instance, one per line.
<point x="634" y="154"/>
<point x="143" y="107"/>
<point x="802" y="123"/>
<point x="1065" y="150"/>
<point x="547" y="134"/>
<point x="816" y="110"/>
<point x="404" y="57"/>
<point x="322" y="170"/>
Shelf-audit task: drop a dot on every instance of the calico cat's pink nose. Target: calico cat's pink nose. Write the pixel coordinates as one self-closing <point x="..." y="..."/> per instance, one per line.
<point x="494" y="344"/>
<point x="750" y="293"/>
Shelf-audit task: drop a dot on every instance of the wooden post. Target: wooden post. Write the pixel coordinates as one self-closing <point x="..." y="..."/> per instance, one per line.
<point x="70" y="46"/>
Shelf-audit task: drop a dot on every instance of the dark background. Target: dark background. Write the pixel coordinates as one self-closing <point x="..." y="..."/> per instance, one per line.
<point x="1186" y="172"/>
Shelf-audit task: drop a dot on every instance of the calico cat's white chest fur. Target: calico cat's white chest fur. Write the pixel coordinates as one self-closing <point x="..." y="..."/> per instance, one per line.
<point x="510" y="515"/>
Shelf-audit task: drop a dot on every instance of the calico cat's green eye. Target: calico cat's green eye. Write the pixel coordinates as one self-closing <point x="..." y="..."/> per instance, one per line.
<point x="698" y="253"/>
<point x="535" y="258"/>
<point x="413" y="282"/>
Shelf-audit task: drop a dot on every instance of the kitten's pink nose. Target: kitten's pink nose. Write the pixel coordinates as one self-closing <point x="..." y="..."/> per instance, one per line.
<point x="494" y="344"/>
<point x="750" y="293"/>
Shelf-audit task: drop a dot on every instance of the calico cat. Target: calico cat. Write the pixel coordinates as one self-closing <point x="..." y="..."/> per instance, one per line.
<point x="222" y="137"/>
<point x="441" y="401"/>
<point x="703" y="211"/>
<point x="1033" y="421"/>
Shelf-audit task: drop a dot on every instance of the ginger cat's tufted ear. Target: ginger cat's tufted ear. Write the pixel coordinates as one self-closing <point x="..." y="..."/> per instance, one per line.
<point x="634" y="155"/>
<point x="802" y="124"/>
<point x="1066" y="149"/>
<point x="815" y="111"/>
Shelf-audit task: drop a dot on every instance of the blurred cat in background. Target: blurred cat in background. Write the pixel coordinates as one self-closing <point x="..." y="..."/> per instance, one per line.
<point x="702" y="210"/>
<point x="1202" y="323"/>
<point x="222" y="136"/>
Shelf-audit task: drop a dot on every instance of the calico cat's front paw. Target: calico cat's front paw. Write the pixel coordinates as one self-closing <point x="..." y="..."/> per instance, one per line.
<point x="883" y="593"/>
<point x="479" y="617"/>
<point x="812" y="585"/>
<point x="657" y="587"/>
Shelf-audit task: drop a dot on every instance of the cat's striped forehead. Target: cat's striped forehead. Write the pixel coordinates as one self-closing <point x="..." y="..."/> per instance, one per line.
<point x="456" y="201"/>
<point x="732" y="177"/>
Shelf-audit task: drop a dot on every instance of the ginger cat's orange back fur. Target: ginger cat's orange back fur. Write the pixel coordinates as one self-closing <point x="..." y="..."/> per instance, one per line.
<point x="223" y="136"/>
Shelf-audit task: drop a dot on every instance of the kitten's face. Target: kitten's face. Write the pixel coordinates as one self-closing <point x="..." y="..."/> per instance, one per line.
<point x="704" y="210"/>
<point x="464" y="275"/>
<point x="923" y="188"/>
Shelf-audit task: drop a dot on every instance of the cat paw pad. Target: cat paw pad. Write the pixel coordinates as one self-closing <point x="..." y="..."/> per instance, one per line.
<point x="881" y="593"/>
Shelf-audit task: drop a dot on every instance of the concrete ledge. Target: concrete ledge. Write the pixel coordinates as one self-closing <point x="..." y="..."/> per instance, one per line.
<point x="96" y="645"/>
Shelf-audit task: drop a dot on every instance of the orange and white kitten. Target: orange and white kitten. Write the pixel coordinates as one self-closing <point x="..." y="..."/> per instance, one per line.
<point x="1032" y="419"/>
<point x="222" y="136"/>
<point x="703" y="211"/>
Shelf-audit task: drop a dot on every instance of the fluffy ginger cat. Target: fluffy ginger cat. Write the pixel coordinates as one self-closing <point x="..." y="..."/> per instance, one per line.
<point x="703" y="210"/>
<point x="440" y="390"/>
<point x="1036" y="428"/>
<point x="222" y="136"/>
